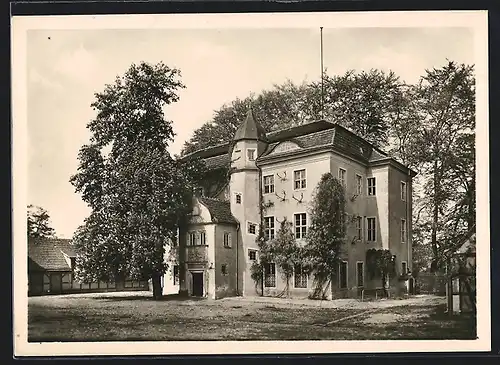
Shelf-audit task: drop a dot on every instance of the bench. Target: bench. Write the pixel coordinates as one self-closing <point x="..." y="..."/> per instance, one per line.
<point x="379" y="291"/>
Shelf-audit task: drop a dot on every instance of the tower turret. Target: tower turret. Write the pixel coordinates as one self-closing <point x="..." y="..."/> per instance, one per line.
<point x="249" y="143"/>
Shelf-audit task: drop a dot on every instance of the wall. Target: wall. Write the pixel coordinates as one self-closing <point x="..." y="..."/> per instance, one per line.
<point x="399" y="210"/>
<point x="296" y="201"/>
<point x="225" y="285"/>
<point x="354" y="250"/>
<point x="245" y="181"/>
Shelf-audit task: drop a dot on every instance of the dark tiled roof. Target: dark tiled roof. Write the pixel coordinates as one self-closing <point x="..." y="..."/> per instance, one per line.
<point x="300" y="130"/>
<point x="215" y="162"/>
<point x="376" y="156"/>
<point x="315" y="139"/>
<point x="47" y="254"/>
<point x="219" y="210"/>
<point x="250" y="129"/>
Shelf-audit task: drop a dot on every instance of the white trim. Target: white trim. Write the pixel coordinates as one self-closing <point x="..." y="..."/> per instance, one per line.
<point x="359" y="237"/>
<point x="356" y="184"/>
<point x="254" y="156"/>
<point x="252" y="250"/>
<point x="273" y="228"/>
<point x="307" y="225"/>
<point x="367" y="228"/>
<point x="302" y="274"/>
<point x="368" y="185"/>
<point x="248" y="228"/>
<point x="275" y="276"/>
<point x="357" y="273"/>
<point x="345" y="176"/>
<point x="241" y="196"/>
<point x="264" y="185"/>
<point x="305" y="179"/>
<point x="403" y="189"/>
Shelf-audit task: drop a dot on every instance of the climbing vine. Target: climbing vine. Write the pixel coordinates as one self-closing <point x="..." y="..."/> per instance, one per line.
<point x="327" y="232"/>
<point x="381" y="263"/>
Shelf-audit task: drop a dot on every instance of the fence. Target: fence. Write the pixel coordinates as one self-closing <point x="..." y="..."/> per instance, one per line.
<point x="430" y="283"/>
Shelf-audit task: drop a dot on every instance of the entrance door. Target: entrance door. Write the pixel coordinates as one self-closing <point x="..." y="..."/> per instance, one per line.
<point x="197" y="284"/>
<point x="55" y="283"/>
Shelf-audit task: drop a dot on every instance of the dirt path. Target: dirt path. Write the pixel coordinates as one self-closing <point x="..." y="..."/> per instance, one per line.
<point x="418" y="300"/>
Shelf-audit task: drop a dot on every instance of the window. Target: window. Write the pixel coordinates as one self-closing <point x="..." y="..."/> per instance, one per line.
<point x="371" y="232"/>
<point x="270" y="275"/>
<point x="300" y="225"/>
<point x="300" y="277"/>
<point x="251" y="154"/>
<point x="343" y="275"/>
<point x="203" y="238"/>
<point x="269" y="228"/>
<point x="403" y="230"/>
<point x="192" y="238"/>
<point x="360" y="274"/>
<point x="238" y="198"/>
<point x="223" y="269"/>
<point x="359" y="184"/>
<point x="299" y="179"/>
<point x="403" y="191"/>
<point x="371" y="186"/>
<point x="404" y="268"/>
<point x="176" y="275"/>
<point x="342" y="177"/>
<point x="252" y="255"/>
<point x="227" y="239"/>
<point x="359" y="228"/>
<point x="252" y="228"/>
<point x="269" y="184"/>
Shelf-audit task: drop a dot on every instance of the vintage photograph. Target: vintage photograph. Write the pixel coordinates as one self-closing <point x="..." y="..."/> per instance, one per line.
<point x="272" y="177"/>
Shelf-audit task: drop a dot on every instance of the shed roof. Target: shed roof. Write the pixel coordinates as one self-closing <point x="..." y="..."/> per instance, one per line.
<point x="220" y="210"/>
<point x="47" y="254"/>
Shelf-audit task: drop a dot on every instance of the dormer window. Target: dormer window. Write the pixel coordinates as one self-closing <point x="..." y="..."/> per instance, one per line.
<point x="251" y="154"/>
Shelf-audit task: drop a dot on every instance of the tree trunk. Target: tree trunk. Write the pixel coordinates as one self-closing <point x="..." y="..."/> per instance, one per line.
<point x="435" y="215"/>
<point x="157" y="289"/>
<point x="383" y="286"/>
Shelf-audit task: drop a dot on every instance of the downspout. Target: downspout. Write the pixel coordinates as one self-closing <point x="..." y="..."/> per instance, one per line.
<point x="409" y="223"/>
<point x="261" y="220"/>
<point x="237" y="259"/>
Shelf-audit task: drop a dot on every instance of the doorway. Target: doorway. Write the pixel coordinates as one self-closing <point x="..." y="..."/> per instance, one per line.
<point x="55" y="283"/>
<point x="197" y="284"/>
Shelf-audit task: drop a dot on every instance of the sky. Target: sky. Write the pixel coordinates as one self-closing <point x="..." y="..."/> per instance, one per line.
<point x="66" y="67"/>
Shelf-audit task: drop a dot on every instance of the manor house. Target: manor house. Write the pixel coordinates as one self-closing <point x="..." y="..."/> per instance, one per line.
<point x="263" y="178"/>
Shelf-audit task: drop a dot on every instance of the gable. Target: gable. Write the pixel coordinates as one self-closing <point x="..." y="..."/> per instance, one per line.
<point x="200" y="213"/>
<point x="285" y="147"/>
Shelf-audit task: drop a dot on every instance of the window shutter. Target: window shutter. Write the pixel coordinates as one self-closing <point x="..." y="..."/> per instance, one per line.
<point x="229" y="243"/>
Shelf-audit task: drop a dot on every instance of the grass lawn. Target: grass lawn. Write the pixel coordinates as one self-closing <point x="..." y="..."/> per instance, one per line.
<point x="137" y="317"/>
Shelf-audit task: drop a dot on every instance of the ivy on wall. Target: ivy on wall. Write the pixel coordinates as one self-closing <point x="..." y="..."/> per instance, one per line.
<point x="381" y="263"/>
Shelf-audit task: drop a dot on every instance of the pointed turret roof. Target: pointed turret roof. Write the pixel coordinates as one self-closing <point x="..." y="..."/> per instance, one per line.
<point x="250" y="129"/>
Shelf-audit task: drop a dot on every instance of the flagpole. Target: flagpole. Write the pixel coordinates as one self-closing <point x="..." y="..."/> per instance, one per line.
<point x="321" y="55"/>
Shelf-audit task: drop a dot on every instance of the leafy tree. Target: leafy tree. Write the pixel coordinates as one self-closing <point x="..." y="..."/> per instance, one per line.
<point x="326" y="234"/>
<point x="444" y="149"/>
<point x="285" y="252"/>
<point x="276" y="109"/>
<point x="137" y="192"/>
<point x="380" y="263"/>
<point x="364" y="102"/>
<point x="39" y="222"/>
